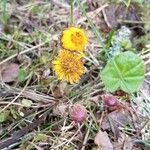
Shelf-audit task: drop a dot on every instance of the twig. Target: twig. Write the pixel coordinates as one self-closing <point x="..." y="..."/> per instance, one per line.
<point x="101" y="119"/>
<point x="23" y="52"/>
<point x="86" y="136"/>
<point x="17" y="95"/>
<point x="92" y="14"/>
<point x="18" y="104"/>
<point x="106" y="19"/>
<point x="30" y="94"/>
<point x="132" y="21"/>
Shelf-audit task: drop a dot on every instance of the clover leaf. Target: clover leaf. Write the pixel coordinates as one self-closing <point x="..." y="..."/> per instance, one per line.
<point x="125" y="71"/>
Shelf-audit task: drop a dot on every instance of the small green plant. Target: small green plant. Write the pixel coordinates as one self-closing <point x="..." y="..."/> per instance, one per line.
<point x="120" y="41"/>
<point x="4" y="15"/>
<point x="22" y="75"/>
<point x="125" y="71"/>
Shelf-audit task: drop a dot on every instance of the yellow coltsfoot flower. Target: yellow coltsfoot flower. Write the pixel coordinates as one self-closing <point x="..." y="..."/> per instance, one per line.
<point x="74" y="39"/>
<point x="68" y="66"/>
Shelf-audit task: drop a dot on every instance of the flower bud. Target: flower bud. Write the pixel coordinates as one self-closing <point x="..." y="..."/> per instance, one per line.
<point x="78" y="113"/>
<point x="110" y="102"/>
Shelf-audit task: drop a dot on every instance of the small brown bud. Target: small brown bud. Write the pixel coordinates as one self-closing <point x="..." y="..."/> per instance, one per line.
<point x="78" y="113"/>
<point x="110" y="102"/>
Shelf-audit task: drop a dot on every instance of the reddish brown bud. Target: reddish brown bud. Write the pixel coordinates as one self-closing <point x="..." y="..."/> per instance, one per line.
<point x="110" y="102"/>
<point x="78" y="113"/>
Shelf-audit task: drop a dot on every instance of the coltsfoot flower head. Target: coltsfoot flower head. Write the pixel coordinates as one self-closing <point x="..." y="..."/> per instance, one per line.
<point x="78" y="113"/>
<point x="74" y="39"/>
<point x="68" y="66"/>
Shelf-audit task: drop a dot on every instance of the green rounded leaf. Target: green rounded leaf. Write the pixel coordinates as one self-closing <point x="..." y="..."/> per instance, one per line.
<point x="125" y="71"/>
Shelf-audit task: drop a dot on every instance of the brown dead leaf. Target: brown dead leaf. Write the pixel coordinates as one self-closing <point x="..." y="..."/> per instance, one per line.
<point x="102" y="141"/>
<point x="119" y="118"/>
<point x="60" y="90"/>
<point x="124" y="142"/>
<point x="116" y="119"/>
<point x="9" y="72"/>
<point x="109" y="16"/>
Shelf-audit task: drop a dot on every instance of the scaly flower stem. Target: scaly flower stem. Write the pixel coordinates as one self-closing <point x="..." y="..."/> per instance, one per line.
<point x="71" y="12"/>
<point x="128" y="4"/>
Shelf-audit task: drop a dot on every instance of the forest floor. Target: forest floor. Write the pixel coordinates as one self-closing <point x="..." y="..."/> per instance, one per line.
<point x="34" y="103"/>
